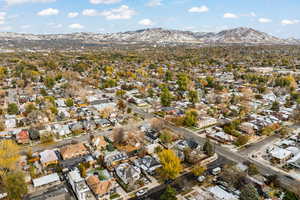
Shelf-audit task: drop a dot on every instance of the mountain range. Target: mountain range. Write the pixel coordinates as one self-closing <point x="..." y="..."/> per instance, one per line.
<point x="241" y="35"/>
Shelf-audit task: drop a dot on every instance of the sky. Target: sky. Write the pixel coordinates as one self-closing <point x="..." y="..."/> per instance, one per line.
<point x="278" y="17"/>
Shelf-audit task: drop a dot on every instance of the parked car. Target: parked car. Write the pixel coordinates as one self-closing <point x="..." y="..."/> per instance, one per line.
<point x="141" y="192"/>
<point x="216" y="171"/>
<point x="200" y="179"/>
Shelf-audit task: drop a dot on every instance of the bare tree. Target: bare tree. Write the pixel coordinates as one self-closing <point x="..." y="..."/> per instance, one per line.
<point x="119" y="136"/>
<point x="157" y="124"/>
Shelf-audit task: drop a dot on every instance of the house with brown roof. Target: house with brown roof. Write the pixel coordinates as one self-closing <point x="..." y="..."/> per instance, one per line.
<point x="101" y="189"/>
<point x="22" y="137"/>
<point x="73" y="151"/>
<point x="99" y="142"/>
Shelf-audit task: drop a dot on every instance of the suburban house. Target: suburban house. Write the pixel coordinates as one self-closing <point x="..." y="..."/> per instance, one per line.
<point x="147" y="164"/>
<point x="99" y="142"/>
<point x="48" y="157"/>
<point x="221" y="137"/>
<point x="22" y="137"/>
<point x="46" y="180"/>
<point x="101" y="189"/>
<point x="79" y="186"/>
<point x="129" y="174"/>
<point x="280" y="155"/>
<point x="72" y="151"/>
<point x="112" y="158"/>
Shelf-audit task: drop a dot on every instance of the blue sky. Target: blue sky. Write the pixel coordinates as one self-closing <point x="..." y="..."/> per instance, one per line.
<point x="278" y="17"/>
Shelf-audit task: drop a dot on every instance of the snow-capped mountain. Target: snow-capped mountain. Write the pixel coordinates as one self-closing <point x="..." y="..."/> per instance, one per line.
<point x="240" y="35"/>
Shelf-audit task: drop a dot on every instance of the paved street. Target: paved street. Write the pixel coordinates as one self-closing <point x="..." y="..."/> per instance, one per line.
<point x="236" y="157"/>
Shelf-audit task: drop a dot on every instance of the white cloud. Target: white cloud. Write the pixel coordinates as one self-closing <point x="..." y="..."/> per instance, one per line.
<point x="264" y="20"/>
<point x="48" y="12"/>
<point x="2" y="17"/>
<point x="154" y="3"/>
<point x="90" y="12"/>
<point x="15" y="2"/>
<point x="25" y="26"/>
<point x="123" y="12"/>
<point x="146" y="22"/>
<point x="76" y="26"/>
<point x="230" y="16"/>
<point x="199" y="9"/>
<point x="289" y="22"/>
<point x="104" y="1"/>
<point x="73" y="14"/>
<point x="5" y="28"/>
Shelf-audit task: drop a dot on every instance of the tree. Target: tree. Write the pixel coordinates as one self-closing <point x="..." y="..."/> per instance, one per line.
<point x="82" y="169"/>
<point x="15" y="185"/>
<point x="182" y="82"/>
<point x="290" y="196"/>
<point x="121" y="105"/>
<point x="191" y="118"/>
<point x="157" y="124"/>
<point x="208" y="148"/>
<point x="29" y="108"/>
<point x="69" y="102"/>
<point x="120" y="93"/>
<point x="249" y="192"/>
<point x="275" y="106"/>
<point x="165" y="97"/>
<point x="169" y="194"/>
<point x="2" y="126"/>
<point x="9" y="155"/>
<point x="242" y="140"/>
<point x="119" y="136"/>
<point x="193" y="96"/>
<point x="12" y="109"/>
<point x="49" y="82"/>
<point x="252" y="169"/>
<point x="171" y="164"/>
<point x="198" y="170"/>
<point x="166" y="137"/>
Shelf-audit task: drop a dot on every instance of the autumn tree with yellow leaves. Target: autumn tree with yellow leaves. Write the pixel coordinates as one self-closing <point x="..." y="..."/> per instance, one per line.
<point x="9" y="156"/>
<point x="171" y="164"/>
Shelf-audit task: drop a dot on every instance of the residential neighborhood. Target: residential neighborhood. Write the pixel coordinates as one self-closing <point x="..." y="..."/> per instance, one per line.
<point x="117" y="125"/>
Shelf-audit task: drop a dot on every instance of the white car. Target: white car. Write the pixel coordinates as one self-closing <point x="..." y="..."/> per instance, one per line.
<point x="216" y="171"/>
<point x="141" y="192"/>
<point x="200" y="179"/>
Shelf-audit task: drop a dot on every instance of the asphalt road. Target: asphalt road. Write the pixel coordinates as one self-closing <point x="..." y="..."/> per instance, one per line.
<point x="266" y="170"/>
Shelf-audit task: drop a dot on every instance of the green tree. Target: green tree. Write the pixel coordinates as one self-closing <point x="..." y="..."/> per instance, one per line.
<point x="275" y="106"/>
<point x="165" y="137"/>
<point x="169" y="194"/>
<point x="165" y="97"/>
<point x="242" y="140"/>
<point x="49" y="82"/>
<point x="191" y="118"/>
<point x="69" y="102"/>
<point x="12" y="109"/>
<point x="14" y="184"/>
<point x="193" y="96"/>
<point x="290" y="196"/>
<point x="208" y="148"/>
<point x="82" y="169"/>
<point x="29" y="108"/>
<point x="249" y="192"/>
<point x="182" y="82"/>
<point x="168" y="75"/>
<point x="252" y="169"/>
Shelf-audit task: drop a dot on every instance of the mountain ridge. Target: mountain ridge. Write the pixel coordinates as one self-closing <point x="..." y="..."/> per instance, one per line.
<point x="240" y="35"/>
